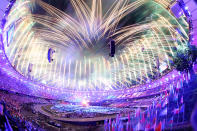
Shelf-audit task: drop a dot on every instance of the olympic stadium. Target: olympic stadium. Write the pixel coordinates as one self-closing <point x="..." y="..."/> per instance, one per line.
<point x="98" y="64"/>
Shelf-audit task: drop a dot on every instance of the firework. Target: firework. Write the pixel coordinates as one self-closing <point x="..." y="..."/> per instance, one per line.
<point x="81" y="43"/>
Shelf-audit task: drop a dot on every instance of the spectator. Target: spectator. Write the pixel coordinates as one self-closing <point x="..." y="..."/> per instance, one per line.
<point x="4" y="122"/>
<point x="2" y="118"/>
<point x="194" y="118"/>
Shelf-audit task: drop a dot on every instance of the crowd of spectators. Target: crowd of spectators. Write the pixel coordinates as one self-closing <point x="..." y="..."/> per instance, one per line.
<point x="83" y="115"/>
<point x="11" y="106"/>
<point x="75" y="115"/>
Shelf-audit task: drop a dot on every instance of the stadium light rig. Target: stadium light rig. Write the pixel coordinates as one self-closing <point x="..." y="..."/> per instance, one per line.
<point x="112" y="48"/>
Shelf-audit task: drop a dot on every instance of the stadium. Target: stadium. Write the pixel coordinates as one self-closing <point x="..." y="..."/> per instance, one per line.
<point x="98" y="65"/>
